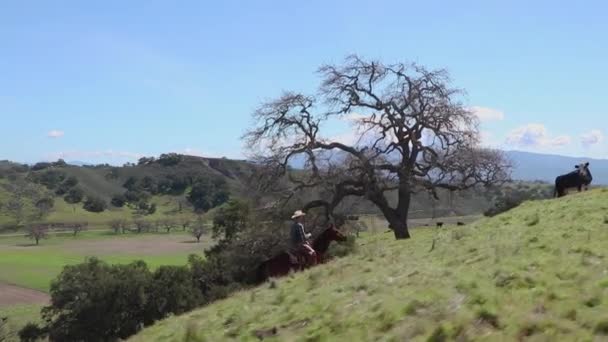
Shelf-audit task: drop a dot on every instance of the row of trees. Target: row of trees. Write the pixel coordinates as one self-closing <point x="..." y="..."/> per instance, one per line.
<point x="39" y="231"/>
<point x="139" y="225"/>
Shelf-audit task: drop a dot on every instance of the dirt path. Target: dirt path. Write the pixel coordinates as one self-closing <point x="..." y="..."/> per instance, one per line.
<point x="144" y="245"/>
<point x="12" y="295"/>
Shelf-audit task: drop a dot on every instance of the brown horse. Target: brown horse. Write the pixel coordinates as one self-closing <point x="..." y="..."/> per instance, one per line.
<point x="282" y="264"/>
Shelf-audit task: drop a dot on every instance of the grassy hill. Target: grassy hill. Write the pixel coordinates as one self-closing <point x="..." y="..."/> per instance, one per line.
<point x="538" y="272"/>
<point x="105" y="181"/>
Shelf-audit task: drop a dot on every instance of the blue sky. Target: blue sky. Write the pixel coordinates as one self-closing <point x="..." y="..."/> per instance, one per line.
<point x="108" y="81"/>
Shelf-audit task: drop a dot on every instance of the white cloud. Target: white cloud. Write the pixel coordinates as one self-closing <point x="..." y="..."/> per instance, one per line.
<point x="535" y="135"/>
<point x="354" y="117"/>
<point x="487" y="139"/>
<point x="592" y="137"/>
<point x="488" y="114"/>
<point x="55" y="134"/>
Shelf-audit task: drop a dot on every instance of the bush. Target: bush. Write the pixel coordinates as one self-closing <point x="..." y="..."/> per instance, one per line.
<point x="173" y="185"/>
<point x="230" y="219"/>
<point x="95" y="204"/>
<point x="31" y="332"/>
<point x="149" y="184"/>
<point x="51" y="179"/>
<point x="208" y="193"/>
<point x="169" y="159"/>
<point x="41" y="166"/>
<point x="130" y="183"/>
<point x="118" y="200"/>
<point x="94" y="301"/>
<point x="136" y="196"/>
<point x="172" y="290"/>
<point x="74" y="195"/>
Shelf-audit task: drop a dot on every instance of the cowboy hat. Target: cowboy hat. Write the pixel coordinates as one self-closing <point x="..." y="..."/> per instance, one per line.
<point x="297" y="213"/>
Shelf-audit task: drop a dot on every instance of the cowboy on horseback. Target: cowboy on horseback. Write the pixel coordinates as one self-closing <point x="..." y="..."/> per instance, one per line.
<point x="300" y="239"/>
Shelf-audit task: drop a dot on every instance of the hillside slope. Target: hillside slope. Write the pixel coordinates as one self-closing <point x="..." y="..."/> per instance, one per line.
<point x="538" y="271"/>
<point x="106" y="181"/>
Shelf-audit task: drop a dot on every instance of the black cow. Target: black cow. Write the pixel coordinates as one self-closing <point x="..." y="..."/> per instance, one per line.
<point x="575" y="179"/>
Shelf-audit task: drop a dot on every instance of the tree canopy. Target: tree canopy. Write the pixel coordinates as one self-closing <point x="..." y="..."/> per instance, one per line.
<point x="411" y="133"/>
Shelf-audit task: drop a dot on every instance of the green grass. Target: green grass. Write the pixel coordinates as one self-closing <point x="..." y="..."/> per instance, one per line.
<point x="35" y="266"/>
<point x="17" y="316"/>
<point x="539" y="271"/>
<point x="63" y="212"/>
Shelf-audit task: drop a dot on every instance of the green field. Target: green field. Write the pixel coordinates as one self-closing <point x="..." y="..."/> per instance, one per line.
<point x="538" y="272"/>
<point x="35" y="266"/>
<point x="63" y="212"/>
<point x="26" y="265"/>
<point x="17" y="316"/>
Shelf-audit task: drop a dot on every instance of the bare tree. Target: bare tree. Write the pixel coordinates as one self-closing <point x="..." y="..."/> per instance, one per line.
<point x="117" y="226"/>
<point x="199" y="228"/>
<point x="142" y="226"/>
<point x="168" y="224"/>
<point x="37" y="232"/>
<point x="410" y="134"/>
<point x="78" y="227"/>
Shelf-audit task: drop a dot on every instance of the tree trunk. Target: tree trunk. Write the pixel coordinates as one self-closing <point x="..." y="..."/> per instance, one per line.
<point x="400" y="230"/>
<point x="36" y="241"/>
<point x="403" y="207"/>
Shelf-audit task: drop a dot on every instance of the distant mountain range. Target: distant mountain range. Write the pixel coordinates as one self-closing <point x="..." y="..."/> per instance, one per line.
<point x="545" y="167"/>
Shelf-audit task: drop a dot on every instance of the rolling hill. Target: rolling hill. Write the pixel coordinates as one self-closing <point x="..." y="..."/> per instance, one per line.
<point x="105" y="181"/>
<point x="537" y="272"/>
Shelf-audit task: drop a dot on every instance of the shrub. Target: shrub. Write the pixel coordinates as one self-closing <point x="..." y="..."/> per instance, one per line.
<point x="136" y="196"/>
<point x="172" y="290"/>
<point x="31" y="332"/>
<point x="230" y="219"/>
<point x="118" y="200"/>
<point x="50" y="178"/>
<point x="95" y="204"/>
<point x="208" y="193"/>
<point x="74" y="195"/>
<point x="41" y="166"/>
<point x="169" y="159"/>
<point x="94" y="301"/>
